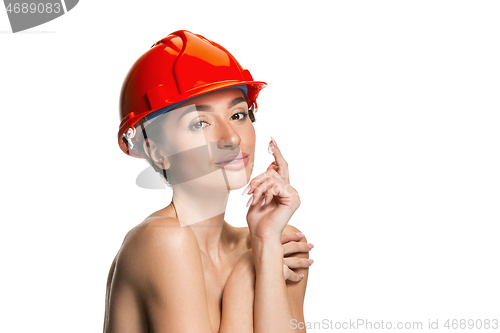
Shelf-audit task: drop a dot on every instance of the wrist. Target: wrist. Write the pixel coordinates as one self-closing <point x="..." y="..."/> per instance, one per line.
<point x="265" y="241"/>
<point x="266" y="244"/>
<point x="267" y="254"/>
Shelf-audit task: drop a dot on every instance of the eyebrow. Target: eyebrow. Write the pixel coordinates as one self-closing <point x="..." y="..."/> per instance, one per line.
<point x="203" y="107"/>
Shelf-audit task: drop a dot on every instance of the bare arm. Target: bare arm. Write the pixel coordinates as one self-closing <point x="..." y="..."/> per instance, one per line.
<point x="240" y="313"/>
<point x="238" y="297"/>
<point x="108" y="289"/>
<point x="297" y="290"/>
<point x="273" y="308"/>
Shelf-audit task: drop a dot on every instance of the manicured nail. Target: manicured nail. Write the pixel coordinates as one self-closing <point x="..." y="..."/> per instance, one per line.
<point x="300" y="234"/>
<point x="310" y="245"/>
<point x="301" y="275"/>
<point x="270" y="148"/>
<point x="274" y="142"/>
<point x="263" y="202"/>
<point x="246" y="190"/>
<point x="250" y="200"/>
<point x="311" y="261"/>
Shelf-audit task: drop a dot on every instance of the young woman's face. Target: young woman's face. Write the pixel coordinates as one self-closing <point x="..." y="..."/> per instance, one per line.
<point x="210" y="141"/>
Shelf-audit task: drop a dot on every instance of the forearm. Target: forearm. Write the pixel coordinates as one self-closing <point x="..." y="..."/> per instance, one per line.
<point x="272" y="309"/>
<point x="238" y="299"/>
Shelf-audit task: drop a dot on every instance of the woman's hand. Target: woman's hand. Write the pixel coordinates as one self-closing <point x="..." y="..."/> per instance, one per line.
<point x="291" y="244"/>
<point x="273" y="200"/>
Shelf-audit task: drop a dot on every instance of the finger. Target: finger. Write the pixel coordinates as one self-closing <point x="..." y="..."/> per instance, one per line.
<point x="276" y="168"/>
<point x="290" y="275"/>
<point x="257" y="181"/>
<point x="269" y="190"/>
<point x="294" y="262"/>
<point x="283" y="194"/>
<point x="296" y="247"/>
<point x="291" y="236"/>
<point x="280" y="162"/>
<point x="269" y="187"/>
<point x="273" y="166"/>
<point x="268" y="197"/>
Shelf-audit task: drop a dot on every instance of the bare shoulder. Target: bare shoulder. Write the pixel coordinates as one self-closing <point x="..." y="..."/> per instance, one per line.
<point x="155" y="242"/>
<point x="291" y="229"/>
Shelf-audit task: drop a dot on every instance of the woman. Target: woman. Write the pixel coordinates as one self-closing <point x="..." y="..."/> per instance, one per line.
<point x="187" y="107"/>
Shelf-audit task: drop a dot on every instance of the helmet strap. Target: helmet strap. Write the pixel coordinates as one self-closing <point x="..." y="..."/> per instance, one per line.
<point x="251" y="113"/>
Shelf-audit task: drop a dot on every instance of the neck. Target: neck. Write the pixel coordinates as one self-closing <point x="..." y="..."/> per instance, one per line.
<point x="203" y="210"/>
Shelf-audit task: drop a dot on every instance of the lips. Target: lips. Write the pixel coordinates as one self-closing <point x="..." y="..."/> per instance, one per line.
<point x="232" y="158"/>
<point x="234" y="161"/>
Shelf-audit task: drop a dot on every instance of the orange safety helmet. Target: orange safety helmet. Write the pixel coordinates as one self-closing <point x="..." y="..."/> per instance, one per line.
<point x="178" y="67"/>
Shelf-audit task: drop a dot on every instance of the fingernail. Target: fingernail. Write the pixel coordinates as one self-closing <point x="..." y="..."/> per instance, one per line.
<point x="250" y="200"/>
<point x="311" y="261"/>
<point x="274" y="142"/>
<point x="246" y="190"/>
<point x="301" y="275"/>
<point x="270" y="148"/>
<point x="263" y="202"/>
<point x="300" y="234"/>
<point x="310" y="245"/>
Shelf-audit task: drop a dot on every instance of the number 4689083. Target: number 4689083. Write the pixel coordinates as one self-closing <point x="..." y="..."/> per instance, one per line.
<point x="32" y="8"/>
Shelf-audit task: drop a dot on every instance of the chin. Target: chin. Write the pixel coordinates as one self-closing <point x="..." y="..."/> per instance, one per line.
<point x="236" y="179"/>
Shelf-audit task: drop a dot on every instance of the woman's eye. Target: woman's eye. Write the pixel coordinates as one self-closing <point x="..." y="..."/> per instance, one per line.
<point x="198" y="125"/>
<point x="242" y="116"/>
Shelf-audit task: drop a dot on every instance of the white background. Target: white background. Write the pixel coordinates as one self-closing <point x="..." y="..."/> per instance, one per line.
<point x="387" y="112"/>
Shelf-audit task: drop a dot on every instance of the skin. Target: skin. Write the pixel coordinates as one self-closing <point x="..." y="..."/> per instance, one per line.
<point x="209" y="276"/>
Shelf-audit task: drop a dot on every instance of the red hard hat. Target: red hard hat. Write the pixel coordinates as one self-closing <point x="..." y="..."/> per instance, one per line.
<point x="180" y="66"/>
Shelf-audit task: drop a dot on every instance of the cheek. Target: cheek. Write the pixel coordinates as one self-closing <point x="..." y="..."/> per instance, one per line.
<point x="249" y="134"/>
<point x="189" y="154"/>
<point x="182" y="142"/>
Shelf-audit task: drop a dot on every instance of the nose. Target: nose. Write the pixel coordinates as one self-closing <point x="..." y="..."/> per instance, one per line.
<point x="228" y="137"/>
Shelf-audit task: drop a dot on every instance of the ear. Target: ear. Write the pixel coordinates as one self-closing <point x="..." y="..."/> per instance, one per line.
<point x="155" y="154"/>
